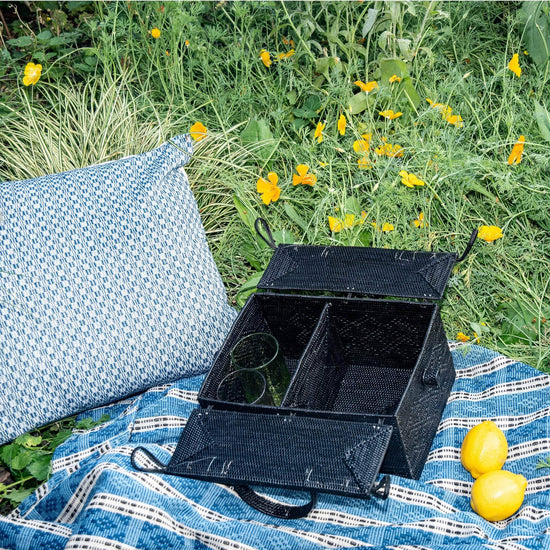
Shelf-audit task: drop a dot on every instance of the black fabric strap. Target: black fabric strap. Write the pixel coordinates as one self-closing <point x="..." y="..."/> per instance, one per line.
<point x="273" y="508"/>
<point x="161" y="467"/>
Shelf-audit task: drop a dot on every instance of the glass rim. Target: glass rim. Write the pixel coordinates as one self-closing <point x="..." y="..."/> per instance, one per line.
<point x="249" y="336"/>
<point x="236" y="373"/>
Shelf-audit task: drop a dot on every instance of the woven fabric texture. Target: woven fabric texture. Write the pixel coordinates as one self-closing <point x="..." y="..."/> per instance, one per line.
<point x="96" y="500"/>
<point x="108" y="287"/>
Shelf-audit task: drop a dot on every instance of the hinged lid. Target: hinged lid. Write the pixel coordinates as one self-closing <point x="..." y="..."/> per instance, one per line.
<point x="360" y="270"/>
<point x="303" y="453"/>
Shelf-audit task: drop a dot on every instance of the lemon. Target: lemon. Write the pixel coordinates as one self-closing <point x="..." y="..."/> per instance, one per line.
<point x="484" y="449"/>
<point x="498" y="494"/>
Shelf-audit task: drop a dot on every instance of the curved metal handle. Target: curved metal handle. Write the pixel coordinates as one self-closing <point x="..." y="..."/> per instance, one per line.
<point x="265" y="226"/>
<point x="274" y="508"/>
<point x="469" y="245"/>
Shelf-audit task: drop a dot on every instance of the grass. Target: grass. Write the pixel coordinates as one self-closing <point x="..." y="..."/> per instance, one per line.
<point x="119" y="91"/>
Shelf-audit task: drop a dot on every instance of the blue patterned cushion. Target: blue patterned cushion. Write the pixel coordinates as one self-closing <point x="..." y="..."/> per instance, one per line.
<point x="108" y="287"/>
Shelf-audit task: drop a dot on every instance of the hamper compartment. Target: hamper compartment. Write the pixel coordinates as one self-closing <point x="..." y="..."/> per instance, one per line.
<point x="289" y="320"/>
<point x="361" y="357"/>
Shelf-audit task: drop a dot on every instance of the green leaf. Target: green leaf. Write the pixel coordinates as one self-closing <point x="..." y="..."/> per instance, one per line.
<point x="543" y="120"/>
<point x="295" y="217"/>
<point x="391" y="66"/>
<point x="309" y="108"/>
<point x="39" y="468"/>
<point x="247" y="214"/>
<point x="43" y="36"/>
<point x="283" y="236"/>
<point x="21" y="460"/>
<point x="18" y="495"/>
<point x="247" y="289"/>
<point x="29" y="441"/>
<point x="370" y="20"/>
<point x="21" y="42"/>
<point x="9" y="452"/>
<point x="324" y="65"/>
<point x="518" y="327"/>
<point x="258" y="131"/>
<point x="536" y="32"/>
<point x="358" y="103"/>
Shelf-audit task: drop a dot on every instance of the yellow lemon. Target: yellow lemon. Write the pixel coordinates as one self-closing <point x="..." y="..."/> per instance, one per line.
<point x="498" y="494"/>
<point x="484" y="449"/>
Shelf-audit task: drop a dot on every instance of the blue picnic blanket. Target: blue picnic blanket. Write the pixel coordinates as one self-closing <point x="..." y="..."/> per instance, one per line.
<point x="96" y="500"/>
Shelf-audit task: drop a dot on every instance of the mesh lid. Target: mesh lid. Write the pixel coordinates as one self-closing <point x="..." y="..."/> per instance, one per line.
<point x="360" y="270"/>
<point x="377" y="271"/>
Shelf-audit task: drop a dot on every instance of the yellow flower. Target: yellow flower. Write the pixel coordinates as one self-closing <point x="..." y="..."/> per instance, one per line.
<point x="319" y="132"/>
<point x="514" y="65"/>
<point x="410" y="180"/>
<point x="336" y="225"/>
<point x="32" y="74"/>
<point x="302" y="176"/>
<point x="342" y="125"/>
<point x="395" y="78"/>
<point x="387" y="227"/>
<point x="323" y="164"/>
<point x="445" y="110"/>
<point x="368" y="87"/>
<point x="389" y="114"/>
<point x="266" y="58"/>
<point x="186" y="43"/>
<point x="198" y="131"/>
<point x="362" y="145"/>
<point x="517" y="151"/>
<point x="364" y="163"/>
<point x="268" y="189"/>
<point x="389" y="150"/>
<point x="489" y="233"/>
<point x="419" y="222"/>
<point x="155" y="33"/>
<point x="286" y="55"/>
<point x="462" y="337"/>
<point x="455" y="120"/>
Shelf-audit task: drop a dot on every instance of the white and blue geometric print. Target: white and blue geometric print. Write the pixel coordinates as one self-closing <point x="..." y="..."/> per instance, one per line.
<point x="96" y="500"/>
<point x="107" y="287"/>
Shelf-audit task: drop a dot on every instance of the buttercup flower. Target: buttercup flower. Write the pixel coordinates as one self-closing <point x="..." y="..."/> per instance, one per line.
<point x="462" y="337"/>
<point x="394" y="78"/>
<point x="268" y="188"/>
<point x="455" y="120"/>
<point x="517" y="151"/>
<point x="514" y="65"/>
<point x="364" y="163"/>
<point x="445" y="110"/>
<point x="362" y="145"/>
<point x="319" y="132"/>
<point x="389" y="150"/>
<point x="286" y="55"/>
<point x="389" y="114"/>
<point x="302" y="176"/>
<point x="342" y="125"/>
<point x="336" y="225"/>
<point x="489" y="233"/>
<point x="198" y="131"/>
<point x="387" y="227"/>
<point x="410" y="180"/>
<point x="265" y="56"/>
<point x="368" y="87"/>
<point x="419" y="222"/>
<point x="155" y="33"/>
<point x="32" y="74"/>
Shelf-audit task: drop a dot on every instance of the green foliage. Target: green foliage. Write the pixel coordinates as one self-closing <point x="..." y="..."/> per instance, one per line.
<point x="536" y="33"/>
<point x="28" y="458"/>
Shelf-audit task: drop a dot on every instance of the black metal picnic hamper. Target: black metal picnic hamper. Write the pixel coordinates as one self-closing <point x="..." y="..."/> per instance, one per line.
<point x="370" y="376"/>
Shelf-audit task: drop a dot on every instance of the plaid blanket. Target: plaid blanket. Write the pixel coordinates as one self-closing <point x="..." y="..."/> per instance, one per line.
<point x="96" y="500"/>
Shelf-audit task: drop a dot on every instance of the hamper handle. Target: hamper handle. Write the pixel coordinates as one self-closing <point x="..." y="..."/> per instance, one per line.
<point x="265" y="226"/>
<point x="469" y="245"/>
<point x="272" y="507"/>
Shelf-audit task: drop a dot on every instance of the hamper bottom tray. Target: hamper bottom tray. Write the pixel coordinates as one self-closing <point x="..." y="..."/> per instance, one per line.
<point x="383" y="362"/>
